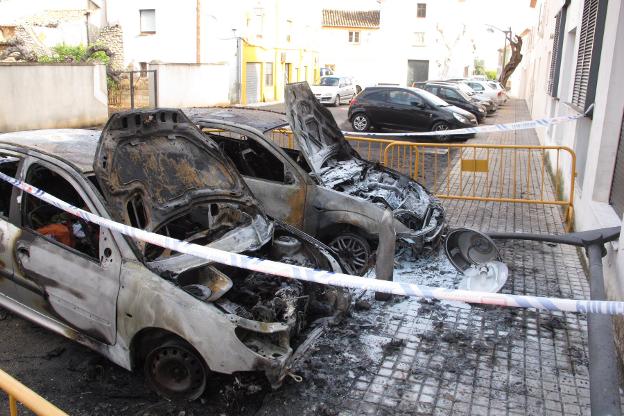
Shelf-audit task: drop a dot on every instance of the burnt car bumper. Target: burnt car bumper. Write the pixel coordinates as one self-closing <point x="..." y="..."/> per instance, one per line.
<point x="427" y="238"/>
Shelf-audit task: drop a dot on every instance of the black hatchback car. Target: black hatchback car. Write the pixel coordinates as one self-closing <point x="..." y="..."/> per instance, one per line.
<point x="455" y="96"/>
<point x="406" y="108"/>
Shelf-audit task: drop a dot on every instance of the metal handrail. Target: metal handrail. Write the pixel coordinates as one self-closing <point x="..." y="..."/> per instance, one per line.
<point x="20" y="393"/>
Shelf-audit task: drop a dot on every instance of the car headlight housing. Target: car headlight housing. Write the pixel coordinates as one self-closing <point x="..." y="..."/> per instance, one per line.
<point x="461" y="118"/>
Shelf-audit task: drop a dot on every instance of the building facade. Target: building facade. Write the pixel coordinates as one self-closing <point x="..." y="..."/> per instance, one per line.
<point x="574" y="64"/>
<point x="396" y="41"/>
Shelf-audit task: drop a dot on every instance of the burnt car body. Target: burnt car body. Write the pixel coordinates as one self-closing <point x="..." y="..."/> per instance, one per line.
<point x="176" y="316"/>
<point x="319" y="183"/>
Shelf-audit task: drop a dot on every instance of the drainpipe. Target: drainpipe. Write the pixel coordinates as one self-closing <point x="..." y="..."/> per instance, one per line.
<point x="239" y="70"/>
<point x="198" y="25"/>
<point x="87" y="26"/>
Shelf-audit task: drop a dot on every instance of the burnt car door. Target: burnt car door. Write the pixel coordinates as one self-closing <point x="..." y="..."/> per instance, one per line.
<point x="66" y="268"/>
<point x="9" y="164"/>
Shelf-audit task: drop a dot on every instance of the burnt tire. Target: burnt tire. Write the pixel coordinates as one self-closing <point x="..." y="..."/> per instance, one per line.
<point x="441" y="126"/>
<point x="175" y="371"/>
<point x="361" y="122"/>
<point x="353" y="250"/>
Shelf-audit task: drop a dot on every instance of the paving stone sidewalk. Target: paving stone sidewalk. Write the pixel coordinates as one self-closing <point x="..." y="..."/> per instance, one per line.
<point x="410" y="357"/>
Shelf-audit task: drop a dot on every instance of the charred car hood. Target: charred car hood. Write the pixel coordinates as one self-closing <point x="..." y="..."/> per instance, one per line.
<point x="379" y="185"/>
<point x="158" y="172"/>
<point x="314" y="127"/>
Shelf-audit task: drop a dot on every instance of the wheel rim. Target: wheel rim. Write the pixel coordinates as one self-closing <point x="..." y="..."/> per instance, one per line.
<point x="441" y="127"/>
<point x="360" y="123"/>
<point x="176" y="373"/>
<point x="353" y="253"/>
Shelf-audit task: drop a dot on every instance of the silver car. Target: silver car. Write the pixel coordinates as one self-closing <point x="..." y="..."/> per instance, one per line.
<point x="319" y="183"/>
<point x="173" y="316"/>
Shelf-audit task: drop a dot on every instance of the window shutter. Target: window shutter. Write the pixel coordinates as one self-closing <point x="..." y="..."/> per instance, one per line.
<point x="588" y="58"/>
<point x="616" y="198"/>
<point x="555" y="63"/>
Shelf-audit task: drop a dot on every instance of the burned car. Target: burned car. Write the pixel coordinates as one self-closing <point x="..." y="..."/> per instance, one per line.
<point x="175" y="316"/>
<point x="318" y="182"/>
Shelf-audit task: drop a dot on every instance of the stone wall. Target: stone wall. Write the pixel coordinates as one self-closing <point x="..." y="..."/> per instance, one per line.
<point x="112" y="38"/>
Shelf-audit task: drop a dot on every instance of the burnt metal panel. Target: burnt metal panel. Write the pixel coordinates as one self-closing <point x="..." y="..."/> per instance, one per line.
<point x="151" y="164"/>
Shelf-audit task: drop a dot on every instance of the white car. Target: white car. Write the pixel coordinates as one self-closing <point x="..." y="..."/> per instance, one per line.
<point x="335" y="90"/>
<point x="488" y="89"/>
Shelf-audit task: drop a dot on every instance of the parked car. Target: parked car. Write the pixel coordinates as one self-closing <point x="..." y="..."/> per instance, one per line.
<point x="489" y="105"/>
<point x="335" y="90"/>
<point x="320" y="184"/>
<point x="408" y="109"/>
<point x="175" y="316"/>
<point x="501" y="89"/>
<point x="487" y="89"/>
<point x="455" y="96"/>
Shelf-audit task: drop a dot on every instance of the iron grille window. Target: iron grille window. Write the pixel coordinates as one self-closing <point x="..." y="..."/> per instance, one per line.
<point x="616" y="197"/>
<point x="555" y="63"/>
<point x="588" y="58"/>
<point x="421" y="10"/>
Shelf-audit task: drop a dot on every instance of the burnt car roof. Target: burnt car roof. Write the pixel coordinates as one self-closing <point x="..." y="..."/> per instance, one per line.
<point x="76" y="146"/>
<point x="263" y="120"/>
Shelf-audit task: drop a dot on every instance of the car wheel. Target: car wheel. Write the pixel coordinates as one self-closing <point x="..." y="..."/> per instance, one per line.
<point x="175" y="371"/>
<point x="441" y="126"/>
<point x="361" y="122"/>
<point x="337" y="100"/>
<point x="354" y="252"/>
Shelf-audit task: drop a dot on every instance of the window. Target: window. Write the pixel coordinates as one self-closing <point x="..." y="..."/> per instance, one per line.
<point x="555" y="62"/>
<point x="588" y="57"/>
<point x="148" y="20"/>
<point x="419" y="39"/>
<point x="402" y="97"/>
<point x="354" y="37"/>
<point x="268" y="74"/>
<point x="251" y="158"/>
<point x="54" y="223"/>
<point x="476" y="86"/>
<point x="8" y="166"/>
<point x="449" y="93"/>
<point x="421" y="10"/>
<point x="616" y="197"/>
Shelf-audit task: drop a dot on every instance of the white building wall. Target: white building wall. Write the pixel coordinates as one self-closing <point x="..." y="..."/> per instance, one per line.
<point x="595" y="139"/>
<point x="63" y="96"/>
<point x="175" y="36"/>
<point x="382" y="55"/>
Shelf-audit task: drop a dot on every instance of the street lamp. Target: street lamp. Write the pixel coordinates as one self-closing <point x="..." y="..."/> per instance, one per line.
<point x="507" y="33"/>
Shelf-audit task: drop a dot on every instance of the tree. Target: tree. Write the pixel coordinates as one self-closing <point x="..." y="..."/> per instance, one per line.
<point x="514" y="61"/>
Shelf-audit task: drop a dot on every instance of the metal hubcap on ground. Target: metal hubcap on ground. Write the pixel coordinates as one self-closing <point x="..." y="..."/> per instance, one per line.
<point x="353" y="251"/>
<point x="360" y="123"/>
<point x="176" y="373"/>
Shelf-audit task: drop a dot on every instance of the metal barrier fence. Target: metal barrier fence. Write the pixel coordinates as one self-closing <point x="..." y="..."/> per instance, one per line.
<point x="20" y="393"/>
<point x="478" y="172"/>
<point x="488" y="172"/>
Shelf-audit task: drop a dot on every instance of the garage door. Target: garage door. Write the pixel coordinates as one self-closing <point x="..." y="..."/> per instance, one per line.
<point x="252" y="89"/>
